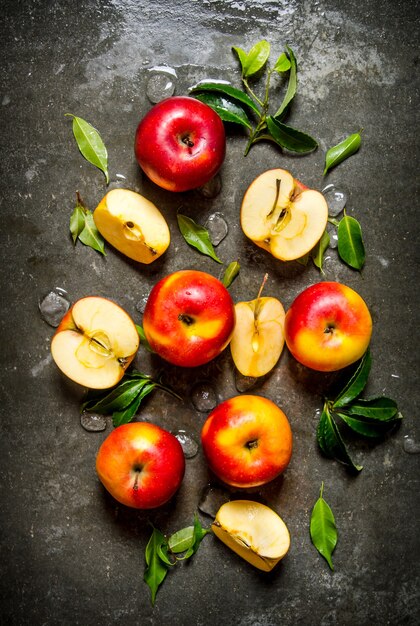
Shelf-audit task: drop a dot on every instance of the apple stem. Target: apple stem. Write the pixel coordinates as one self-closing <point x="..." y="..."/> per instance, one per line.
<point x="262" y="286"/>
<point x="278" y="183"/>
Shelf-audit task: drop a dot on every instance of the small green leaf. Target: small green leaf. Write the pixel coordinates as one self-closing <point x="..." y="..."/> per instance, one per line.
<point x="181" y="540"/>
<point x="231" y="273"/>
<point x="342" y="151"/>
<point x="291" y="86"/>
<point x="368" y="427"/>
<point x="318" y="252"/>
<point x="323" y="530"/>
<point x="125" y="415"/>
<point x="143" y="338"/>
<point x="196" y="236"/>
<point x="382" y="408"/>
<point x="90" y="236"/>
<point x="331" y="442"/>
<point x="90" y="144"/>
<point x="227" y="110"/>
<point x="283" y="64"/>
<point x="241" y="56"/>
<point x="290" y="138"/>
<point x="256" y="58"/>
<point x="350" y="242"/>
<point x="119" y="398"/>
<point x="77" y="222"/>
<point x="356" y="384"/>
<point x="156" y="569"/>
<point x="235" y="95"/>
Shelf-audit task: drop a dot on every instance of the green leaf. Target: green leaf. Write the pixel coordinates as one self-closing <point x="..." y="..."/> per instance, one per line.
<point x="283" y="64"/>
<point x="77" y="222"/>
<point x="323" y="530"/>
<point x="231" y="273"/>
<point x="241" y="56"/>
<point x="350" y="242"/>
<point x="181" y="540"/>
<point x="368" y="427"/>
<point x="289" y="138"/>
<point x="119" y="398"/>
<point x="125" y="415"/>
<point x="227" y="110"/>
<point x="198" y="534"/>
<point x="342" y="151"/>
<point x="303" y="260"/>
<point x="90" y="236"/>
<point x="291" y="86"/>
<point x="156" y="569"/>
<point x="233" y="94"/>
<point x="143" y="338"/>
<point x="196" y="236"/>
<point x="356" y="384"/>
<point x="90" y="144"/>
<point x="382" y="408"/>
<point x="256" y="58"/>
<point x="331" y="442"/>
<point x="318" y="252"/>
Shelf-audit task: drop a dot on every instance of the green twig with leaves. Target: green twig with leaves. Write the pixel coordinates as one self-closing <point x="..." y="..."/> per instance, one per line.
<point x="83" y="227"/>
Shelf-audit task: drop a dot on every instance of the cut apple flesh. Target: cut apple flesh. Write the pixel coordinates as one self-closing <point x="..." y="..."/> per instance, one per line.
<point x="133" y="225"/>
<point x="258" y="338"/>
<point x="95" y="343"/>
<point x="282" y="216"/>
<point x="254" y="531"/>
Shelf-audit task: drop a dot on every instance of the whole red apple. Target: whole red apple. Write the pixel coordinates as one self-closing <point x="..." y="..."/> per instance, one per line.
<point x="141" y="465"/>
<point x="180" y="143"/>
<point x="328" y="327"/>
<point x="189" y="318"/>
<point x="247" y="441"/>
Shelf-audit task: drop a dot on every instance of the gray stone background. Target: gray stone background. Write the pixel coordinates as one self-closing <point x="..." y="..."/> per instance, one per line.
<point x="69" y="553"/>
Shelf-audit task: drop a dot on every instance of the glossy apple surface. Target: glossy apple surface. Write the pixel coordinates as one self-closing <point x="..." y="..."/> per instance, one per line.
<point x="180" y="143"/>
<point x="328" y="327"/>
<point x="141" y="465"/>
<point x="247" y="441"/>
<point x="189" y="318"/>
<point x="95" y="342"/>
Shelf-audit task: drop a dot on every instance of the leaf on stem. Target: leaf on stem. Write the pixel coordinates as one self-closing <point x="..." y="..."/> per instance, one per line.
<point x="90" y="236"/>
<point x="317" y="254"/>
<point x="253" y="61"/>
<point x="231" y="273"/>
<point x="196" y="236"/>
<point x="290" y="138"/>
<point x="323" y="529"/>
<point x="90" y="144"/>
<point x="77" y="222"/>
<point x="350" y="242"/>
<point x="342" y="151"/>
<point x="331" y="442"/>
<point x="291" y="86"/>
<point x="236" y="95"/>
<point x="369" y="427"/>
<point x="156" y="568"/>
<point x="227" y="110"/>
<point x="356" y="384"/>
<point x="283" y="64"/>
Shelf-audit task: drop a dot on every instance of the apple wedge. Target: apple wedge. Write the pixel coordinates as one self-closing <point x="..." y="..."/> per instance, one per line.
<point x="281" y="215"/>
<point x="95" y="343"/>
<point x="254" y="531"/>
<point x="258" y="338"/>
<point x="133" y="225"/>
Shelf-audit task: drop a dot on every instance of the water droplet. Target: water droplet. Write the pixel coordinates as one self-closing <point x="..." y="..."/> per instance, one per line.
<point x="217" y="227"/>
<point x="203" y="397"/>
<point x="212" y="187"/>
<point x="92" y="422"/>
<point x="332" y="231"/>
<point x="53" y="306"/>
<point x="211" y="499"/>
<point x="141" y="304"/>
<point x="189" y="445"/>
<point x="244" y="383"/>
<point x="161" y="83"/>
<point x="411" y="446"/>
<point x="336" y="199"/>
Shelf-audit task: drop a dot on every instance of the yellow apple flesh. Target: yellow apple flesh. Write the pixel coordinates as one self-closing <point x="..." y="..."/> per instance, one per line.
<point x="258" y="337"/>
<point x="133" y="225"/>
<point x="254" y="531"/>
<point x="95" y="343"/>
<point x="283" y="216"/>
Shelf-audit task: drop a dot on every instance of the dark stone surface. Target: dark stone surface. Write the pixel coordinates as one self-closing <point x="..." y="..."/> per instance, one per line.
<point x="69" y="553"/>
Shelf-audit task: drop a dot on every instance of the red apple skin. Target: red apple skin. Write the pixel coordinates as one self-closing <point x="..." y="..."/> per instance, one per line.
<point x="141" y="465"/>
<point x="247" y="441"/>
<point x="180" y="143"/>
<point x="189" y="318"/>
<point x="328" y="327"/>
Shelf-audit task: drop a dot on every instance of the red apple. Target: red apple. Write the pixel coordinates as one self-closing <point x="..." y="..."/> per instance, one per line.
<point x="328" y="327"/>
<point x="189" y="318"/>
<point x="180" y="143"/>
<point x="141" y="465"/>
<point x="247" y="441"/>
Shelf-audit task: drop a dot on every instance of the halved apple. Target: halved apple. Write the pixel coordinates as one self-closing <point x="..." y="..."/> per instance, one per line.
<point x="133" y="225"/>
<point x="254" y="531"/>
<point x="95" y="343"/>
<point x="258" y="338"/>
<point x="281" y="215"/>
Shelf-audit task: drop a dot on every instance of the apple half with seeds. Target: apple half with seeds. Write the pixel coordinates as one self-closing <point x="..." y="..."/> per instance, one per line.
<point x="254" y="531"/>
<point x="95" y="343"/>
<point x="133" y="225"/>
<point x="281" y="215"/>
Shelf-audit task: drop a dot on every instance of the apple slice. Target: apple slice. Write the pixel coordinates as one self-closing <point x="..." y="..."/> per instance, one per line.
<point x="133" y="225"/>
<point x="254" y="531"/>
<point x="95" y="343"/>
<point x="258" y="338"/>
<point x="281" y="215"/>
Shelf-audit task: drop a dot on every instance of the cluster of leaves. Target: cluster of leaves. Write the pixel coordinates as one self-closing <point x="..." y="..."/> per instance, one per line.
<point x="83" y="228"/>
<point x="123" y="400"/>
<point x="322" y="528"/>
<point x="371" y="418"/>
<point x="163" y="553"/>
<point x="249" y="110"/>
